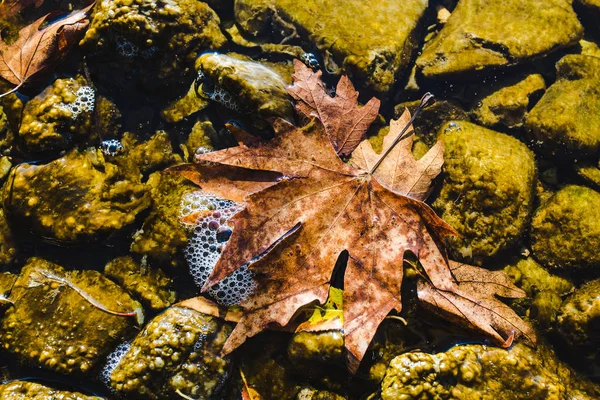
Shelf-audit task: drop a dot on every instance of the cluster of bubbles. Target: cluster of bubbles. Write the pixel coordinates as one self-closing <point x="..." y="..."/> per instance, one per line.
<point x="112" y="360"/>
<point x="225" y="99"/>
<point x="204" y="247"/>
<point x="84" y="102"/>
<point x="125" y="48"/>
<point x="203" y="150"/>
<point x="310" y="60"/>
<point x="111" y="147"/>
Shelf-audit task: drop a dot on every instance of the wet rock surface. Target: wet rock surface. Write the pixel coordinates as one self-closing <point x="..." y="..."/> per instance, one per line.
<point x="25" y="390"/>
<point x="178" y="352"/>
<point x="565" y="233"/>
<point x="58" y="319"/>
<point x="372" y="42"/>
<point x="579" y="318"/>
<point x="481" y="34"/>
<point x="487" y="193"/>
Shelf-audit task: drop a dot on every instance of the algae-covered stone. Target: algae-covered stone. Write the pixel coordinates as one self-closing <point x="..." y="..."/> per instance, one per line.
<point x="56" y="320"/>
<point x="580" y="316"/>
<point x="507" y="103"/>
<point x="488" y="189"/>
<point x="566" y="119"/>
<point x="591" y="173"/>
<point x="6" y="134"/>
<point x="371" y="41"/>
<point x="487" y="33"/>
<point x="246" y="86"/>
<point x="145" y="157"/>
<point x="148" y="284"/>
<point x="544" y="291"/>
<point x="177" y="354"/>
<point x="78" y="197"/>
<point x="161" y="38"/>
<point x="7" y="280"/>
<point x="324" y="347"/>
<point x="8" y="249"/>
<point x="58" y="117"/>
<point x="185" y="106"/>
<point x="162" y="235"/>
<point x="313" y="394"/>
<point x="27" y="390"/>
<point x="565" y="231"/>
<point x="483" y="372"/>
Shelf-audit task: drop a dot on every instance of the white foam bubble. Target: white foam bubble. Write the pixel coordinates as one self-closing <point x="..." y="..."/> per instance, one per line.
<point x="84" y="102"/>
<point x="112" y="360"/>
<point x="208" y="235"/>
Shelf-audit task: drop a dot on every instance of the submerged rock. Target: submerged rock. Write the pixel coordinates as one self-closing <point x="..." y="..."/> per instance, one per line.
<point x="8" y="250"/>
<point x="176" y="355"/>
<point x="56" y="321"/>
<point x="580" y="316"/>
<point x="59" y="116"/>
<point x="488" y="189"/>
<point x="156" y="40"/>
<point x="370" y="41"/>
<point x="483" y="372"/>
<point x="565" y="121"/>
<point x="326" y="347"/>
<point x="6" y="134"/>
<point x="507" y="103"/>
<point x="486" y="33"/>
<point x="78" y="197"/>
<point x="146" y="283"/>
<point x="26" y="390"/>
<point x="7" y="280"/>
<point x="565" y="230"/>
<point x="145" y="157"/>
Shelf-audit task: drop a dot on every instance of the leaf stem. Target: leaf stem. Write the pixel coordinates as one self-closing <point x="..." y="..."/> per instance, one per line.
<point x="12" y="90"/>
<point x="425" y="100"/>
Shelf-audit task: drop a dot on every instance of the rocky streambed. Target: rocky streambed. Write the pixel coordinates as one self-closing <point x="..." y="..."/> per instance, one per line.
<point x="95" y="257"/>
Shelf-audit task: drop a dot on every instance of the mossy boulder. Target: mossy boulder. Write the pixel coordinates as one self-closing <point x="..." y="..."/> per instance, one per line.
<point x="56" y="321"/>
<point x="148" y="284"/>
<point x="178" y="352"/>
<point x="27" y="390"/>
<point x="7" y="280"/>
<point x="565" y="230"/>
<point x="488" y="189"/>
<point x="6" y="135"/>
<point x="483" y="372"/>
<point x="579" y="317"/>
<point x="59" y="117"/>
<point x="545" y="291"/>
<point x="566" y="119"/>
<point x="77" y="198"/>
<point x="144" y="157"/>
<point x="153" y="42"/>
<point x="371" y="41"/>
<point x="162" y="235"/>
<point x="493" y="33"/>
<point x="8" y="250"/>
<point x="506" y="104"/>
<point x="326" y="347"/>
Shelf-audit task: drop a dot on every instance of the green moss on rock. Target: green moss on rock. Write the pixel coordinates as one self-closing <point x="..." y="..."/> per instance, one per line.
<point x="78" y="197"/>
<point x="148" y="284"/>
<point x="507" y="103"/>
<point x="53" y="323"/>
<point x="469" y="372"/>
<point x="488" y="189"/>
<point x="8" y="250"/>
<point x="580" y="315"/>
<point x="324" y="347"/>
<point x="178" y="352"/>
<point x="486" y="33"/>
<point x="371" y="41"/>
<point x="26" y="390"/>
<point x="565" y="231"/>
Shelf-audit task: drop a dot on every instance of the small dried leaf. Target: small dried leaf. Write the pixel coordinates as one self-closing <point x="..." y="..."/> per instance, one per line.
<point x="205" y="306"/>
<point x="474" y="303"/>
<point x="326" y="318"/>
<point x="345" y="122"/>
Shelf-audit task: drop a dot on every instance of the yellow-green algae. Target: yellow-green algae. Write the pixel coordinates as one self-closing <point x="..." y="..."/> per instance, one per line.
<point x="371" y="41"/>
<point x="476" y="372"/>
<point x="486" y="33"/>
<point x="178" y="351"/>
<point x="148" y="284"/>
<point x="26" y="390"/>
<point x="75" y="198"/>
<point x="507" y="104"/>
<point x="564" y="122"/>
<point x="145" y="157"/>
<point x="488" y="189"/>
<point x="52" y="325"/>
<point x="565" y="231"/>
<point x="325" y="346"/>
<point x="49" y="126"/>
<point x="579" y="316"/>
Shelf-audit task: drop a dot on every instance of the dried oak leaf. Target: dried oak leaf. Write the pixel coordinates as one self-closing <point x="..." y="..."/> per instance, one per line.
<point x="36" y="50"/>
<point x="345" y="122"/>
<point x="292" y="233"/>
<point x="8" y="8"/>
<point x="473" y="303"/>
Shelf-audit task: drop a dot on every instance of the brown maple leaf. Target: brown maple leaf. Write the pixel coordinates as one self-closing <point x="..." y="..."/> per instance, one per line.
<point x="8" y="8"/>
<point x="345" y="122"/>
<point x="36" y="50"/>
<point x="292" y="233"/>
<point x="473" y="303"/>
